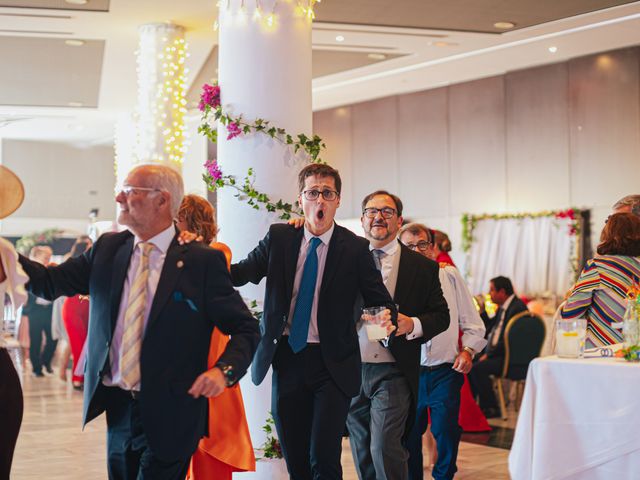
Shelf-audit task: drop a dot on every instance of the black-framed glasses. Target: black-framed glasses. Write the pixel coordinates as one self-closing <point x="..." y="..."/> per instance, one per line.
<point x="328" y="195"/>
<point x="386" y="212"/>
<point x="422" y="245"/>
<point x="129" y="189"/>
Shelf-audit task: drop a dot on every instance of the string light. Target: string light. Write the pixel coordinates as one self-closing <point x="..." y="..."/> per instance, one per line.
<point x="303" y="8"/>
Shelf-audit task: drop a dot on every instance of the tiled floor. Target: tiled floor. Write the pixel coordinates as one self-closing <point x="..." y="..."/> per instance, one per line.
<point x="53" y="446"/>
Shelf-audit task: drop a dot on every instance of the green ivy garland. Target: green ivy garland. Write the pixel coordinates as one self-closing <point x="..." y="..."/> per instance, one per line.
<point x="45" y="237"/>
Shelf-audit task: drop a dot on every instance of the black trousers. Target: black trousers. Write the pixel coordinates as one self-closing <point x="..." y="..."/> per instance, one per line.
<point x="11" y="409"/>
<point x="39" y="357"/>
<point x="310" y="413"/>
<point x="128" y="454"/>
<point x="480" y="382"/>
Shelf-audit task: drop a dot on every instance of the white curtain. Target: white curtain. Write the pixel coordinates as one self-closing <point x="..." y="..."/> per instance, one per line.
<point x="535" y="253"/>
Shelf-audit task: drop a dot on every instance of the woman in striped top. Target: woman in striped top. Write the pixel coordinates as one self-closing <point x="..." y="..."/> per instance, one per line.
<point x="600" y="293"/>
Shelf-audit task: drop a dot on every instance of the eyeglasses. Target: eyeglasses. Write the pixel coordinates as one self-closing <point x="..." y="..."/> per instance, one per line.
<point x="386" y="212"/>
<point x="328" y="195"/>
<point x="422" y="245"/>
<point x="128" y="189"/>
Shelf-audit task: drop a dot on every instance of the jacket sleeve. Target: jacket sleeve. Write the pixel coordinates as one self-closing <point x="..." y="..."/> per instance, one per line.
<point x="435" y="318"/>
<point x="254" y="267"/>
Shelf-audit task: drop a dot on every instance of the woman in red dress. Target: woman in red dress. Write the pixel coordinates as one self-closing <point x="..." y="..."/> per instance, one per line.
<point x="228" y="447"/>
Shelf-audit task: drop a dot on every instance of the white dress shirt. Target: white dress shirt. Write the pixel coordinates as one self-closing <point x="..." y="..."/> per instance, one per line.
<point x="157" y="255"/>
<point x="443" y="348"/>
<point x="321" y="251"/>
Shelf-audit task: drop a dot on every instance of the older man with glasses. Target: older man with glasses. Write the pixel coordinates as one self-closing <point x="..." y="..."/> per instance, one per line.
<point x="381" y="415"/>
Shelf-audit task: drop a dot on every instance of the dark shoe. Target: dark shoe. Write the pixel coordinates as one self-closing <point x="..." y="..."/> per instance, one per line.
<point x="48" y="369"/>
<point x="78" y="386"/>
<point x="38" y="374"/>
<point x="491" y="412"/>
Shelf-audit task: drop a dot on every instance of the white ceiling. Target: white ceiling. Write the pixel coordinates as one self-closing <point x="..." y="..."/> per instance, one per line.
<point x="425" y="58"/>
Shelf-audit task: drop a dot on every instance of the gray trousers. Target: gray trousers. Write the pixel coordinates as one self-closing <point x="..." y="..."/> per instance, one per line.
<point x="377" y="421"/>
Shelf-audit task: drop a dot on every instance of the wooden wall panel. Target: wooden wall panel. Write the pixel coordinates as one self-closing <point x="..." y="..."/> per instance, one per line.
<point x="423" y="153"/>
<point x="373" y="148"/>
<point x="537" y="139"/>
<point x="477" y="146"/>
<point x="334" y="126"/>
<point x="604" y="127"/>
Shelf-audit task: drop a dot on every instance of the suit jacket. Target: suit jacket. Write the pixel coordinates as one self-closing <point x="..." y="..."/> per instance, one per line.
<point x="516" y="306"/>
<point x="349" y="270"/>
<point x="418" y="294"/>
<point x="194" y="294"/>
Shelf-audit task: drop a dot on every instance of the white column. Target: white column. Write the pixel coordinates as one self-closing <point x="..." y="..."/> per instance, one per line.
<point x="264" y="72"/>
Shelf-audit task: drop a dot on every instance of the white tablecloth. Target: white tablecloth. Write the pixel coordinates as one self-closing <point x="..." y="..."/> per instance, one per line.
<point x="579" y="419"/>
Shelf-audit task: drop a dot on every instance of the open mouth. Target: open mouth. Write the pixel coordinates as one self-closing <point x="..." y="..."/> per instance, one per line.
<point x="320" y="214"/>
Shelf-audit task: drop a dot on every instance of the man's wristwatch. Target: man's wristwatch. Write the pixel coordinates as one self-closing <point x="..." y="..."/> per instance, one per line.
<point x="469" y="350"/>
<point x="229" y="375"/>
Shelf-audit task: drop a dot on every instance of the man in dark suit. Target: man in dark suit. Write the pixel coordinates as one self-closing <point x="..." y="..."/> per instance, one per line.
<point x="154" y="304"/>
<point x="314" y="275"/>
<point x="491" y="362"/>
<point x="382" y="413"/>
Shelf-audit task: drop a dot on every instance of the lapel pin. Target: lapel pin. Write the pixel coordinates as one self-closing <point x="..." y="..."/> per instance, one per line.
<point x="180" y="264"/>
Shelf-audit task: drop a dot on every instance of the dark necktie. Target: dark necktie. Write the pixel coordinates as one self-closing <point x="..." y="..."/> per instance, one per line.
<point x="378" y="255"/>
<point x="495" y="333"/>
<point x="304" y="301"/>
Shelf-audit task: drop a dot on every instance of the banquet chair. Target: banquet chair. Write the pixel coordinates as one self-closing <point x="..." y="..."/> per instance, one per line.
<point x="523" y="340"/>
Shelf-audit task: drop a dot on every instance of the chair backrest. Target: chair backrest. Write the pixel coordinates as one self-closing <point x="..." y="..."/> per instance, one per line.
<point x="523" y="340"/>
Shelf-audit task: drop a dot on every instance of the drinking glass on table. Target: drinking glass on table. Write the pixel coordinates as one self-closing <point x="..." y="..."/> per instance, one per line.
<point x="570" y="337"/>
<point x="373" y="318"/>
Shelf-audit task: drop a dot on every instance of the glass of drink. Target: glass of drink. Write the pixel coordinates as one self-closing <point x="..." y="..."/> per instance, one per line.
<point x="373" y="317"/>
<point x="570" y="337"/>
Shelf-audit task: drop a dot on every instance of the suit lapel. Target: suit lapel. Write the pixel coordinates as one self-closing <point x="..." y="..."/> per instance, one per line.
<point x="406" y="275"/>
<point x="292" y="251"/>
<point x="174" y="264"/>
<point x="333" y="258"/>
<point x="118" y="275"/>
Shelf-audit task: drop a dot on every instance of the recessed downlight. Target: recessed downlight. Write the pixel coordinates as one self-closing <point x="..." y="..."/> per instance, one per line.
<point x="77" y="2"/>
<point x="72" y="42"/>
<point x="445" y="44"/>
<point x="339" y="38"/>
<point x="504" y="25"/>
<point x="376" y="56"/>
<point x="553" y="49"/>
<point x="75" y="104"/>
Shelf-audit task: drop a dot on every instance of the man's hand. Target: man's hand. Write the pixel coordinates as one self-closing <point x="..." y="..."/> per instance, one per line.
<point x="186" y="237"/>
<point x="463" y="362"/>
<point x="296" y="222"/>
<point x="405" y="324"/>
<point x="483" y="357"/>
<point x="210" y="384"/>
<point x="3" y="275"/>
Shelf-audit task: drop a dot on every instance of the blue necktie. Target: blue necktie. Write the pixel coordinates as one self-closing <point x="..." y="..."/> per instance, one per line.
<point x="304" y="301"/>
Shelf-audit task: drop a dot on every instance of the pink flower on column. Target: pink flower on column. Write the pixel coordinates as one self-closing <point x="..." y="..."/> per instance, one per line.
<point x="213" y="169"/>
<point x="210" y="97"/>
<point x="233" y="129"/>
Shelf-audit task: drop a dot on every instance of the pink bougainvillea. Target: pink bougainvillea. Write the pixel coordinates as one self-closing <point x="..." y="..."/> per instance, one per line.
<point x="213" y="169"/>
<point x="210" y="97"/>
<point x="234" y="130"/>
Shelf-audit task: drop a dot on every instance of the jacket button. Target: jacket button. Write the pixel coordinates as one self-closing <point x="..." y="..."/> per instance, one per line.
<point x="275" y="340"/>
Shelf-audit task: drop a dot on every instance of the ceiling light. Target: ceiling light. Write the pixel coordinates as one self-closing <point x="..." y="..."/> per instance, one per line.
<point x="553" y="49"/>
<point x="339" y="38"/>
<point x="74" y="43"/>
<point x="445" y="44"/>
<point x="77" y="2"/>
<point x="504" y="25"/>
<point x="376" y="56"/>
<point x="75" y="104"/>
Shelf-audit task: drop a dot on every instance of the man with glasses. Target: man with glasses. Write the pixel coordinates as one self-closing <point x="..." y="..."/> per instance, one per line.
<point x="628" y="204"/>
<point x="154" y="305"/>
<point x="314" y="275"/>
<point x="381" y="415"/>
<point x="443" y="364"/>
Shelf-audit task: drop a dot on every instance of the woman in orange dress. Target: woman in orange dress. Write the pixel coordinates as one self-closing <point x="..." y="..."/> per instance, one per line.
<point x="228" y="447"/>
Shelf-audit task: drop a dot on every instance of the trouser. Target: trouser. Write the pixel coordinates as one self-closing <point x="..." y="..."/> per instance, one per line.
<point x="310" y="412"/>
<point x="480" y="382"/>
<point x="11" y="409"/>
<point x="38" y="356"/>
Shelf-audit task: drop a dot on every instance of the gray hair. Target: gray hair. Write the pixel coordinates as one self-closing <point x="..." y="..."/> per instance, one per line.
<point x="631" y="201"/>
<point x="166" y="179"/>
<point x="415" y="229"/>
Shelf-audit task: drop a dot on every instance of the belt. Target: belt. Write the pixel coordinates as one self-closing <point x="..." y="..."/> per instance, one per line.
<point x="437" y="367"/>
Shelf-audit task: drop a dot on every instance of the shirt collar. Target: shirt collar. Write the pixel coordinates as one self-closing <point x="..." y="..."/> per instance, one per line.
<point x="161" y="241"/>
<point x="390" y="248"/>
<point x="507" y="302"/>
<point x="324" y="238"/>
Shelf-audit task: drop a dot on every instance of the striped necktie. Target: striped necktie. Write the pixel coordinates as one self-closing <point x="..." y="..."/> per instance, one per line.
<point x="378" y="255"/>
<point x="134" y="322"/>
<point x="302" y="311"/>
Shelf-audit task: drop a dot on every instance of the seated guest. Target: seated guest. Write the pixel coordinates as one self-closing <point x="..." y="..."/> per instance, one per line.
<point x="227" y="448"/>
<point x="491" y="362"/>
<point x="444" y="362"/>
<point x="628" y="204"/>
<point x="442" y="247"/>
<point x="600" y="293"/>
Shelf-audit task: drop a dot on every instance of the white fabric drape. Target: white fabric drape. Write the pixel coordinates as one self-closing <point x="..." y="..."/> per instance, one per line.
<point x="535" y="253"/>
